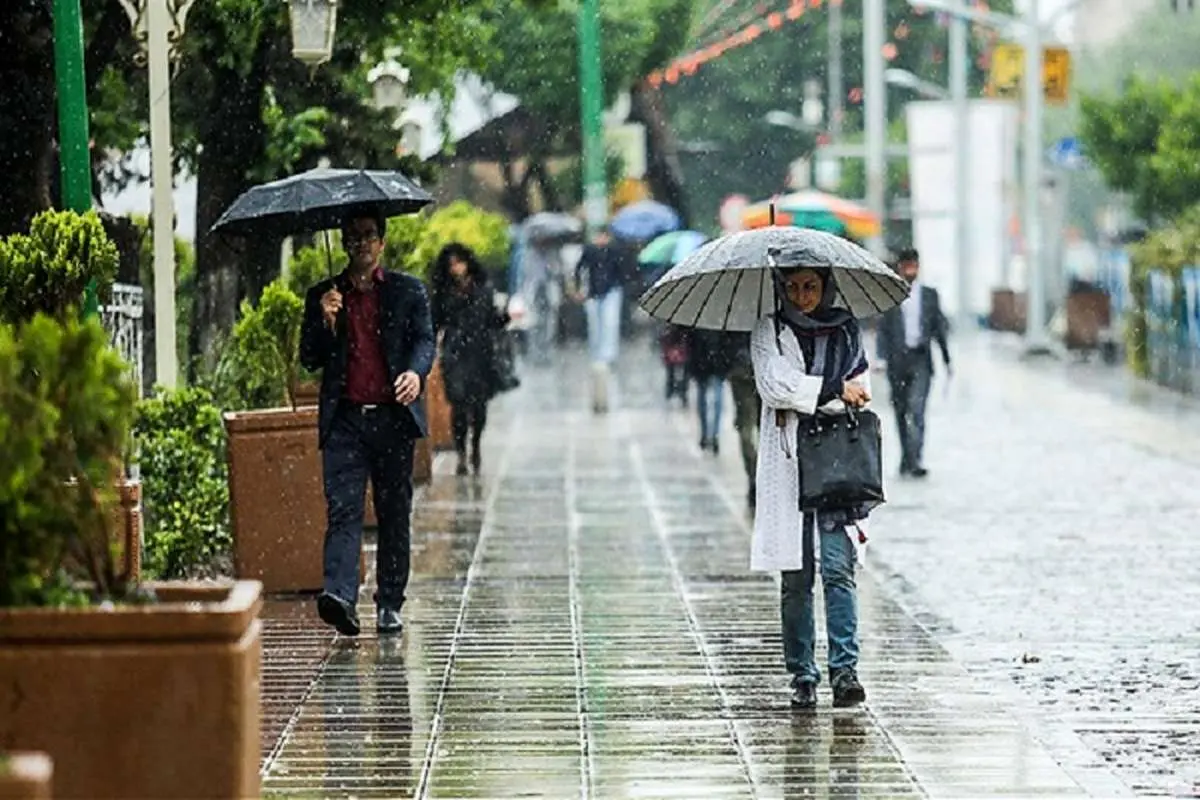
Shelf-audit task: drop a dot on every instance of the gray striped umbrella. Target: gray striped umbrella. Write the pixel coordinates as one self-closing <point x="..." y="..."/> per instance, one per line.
<point x="726" y="284"/>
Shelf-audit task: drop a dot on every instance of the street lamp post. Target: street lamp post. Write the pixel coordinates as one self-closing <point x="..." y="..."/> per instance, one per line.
<point x="959" y="67"/>
<point x="159" y="25"/>
<point x="74" y="158"/>
<point x="1035" y="325"/>
<point x="1032" y="29"/>
<point x="591" y="106"/>
<point x="875" y="102"/>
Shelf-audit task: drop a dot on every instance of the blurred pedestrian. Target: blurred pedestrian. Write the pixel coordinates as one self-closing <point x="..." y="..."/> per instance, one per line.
<point x="368" y="332"/>
<point x="808" y="359"/>
<point x="467" y="320"/>
<point x="711" y="357"/>
<point x="673" y="344"/>
<point x="747" y="409"/>
<point x="905" y="342"/>
<point x="542" y="291"/>
<point x="599" y="278"/>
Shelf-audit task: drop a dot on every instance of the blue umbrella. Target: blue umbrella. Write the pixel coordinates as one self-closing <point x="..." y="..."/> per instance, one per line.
<point x="644" y="220"/>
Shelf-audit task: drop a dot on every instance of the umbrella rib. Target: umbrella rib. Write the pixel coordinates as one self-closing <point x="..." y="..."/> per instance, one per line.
<point x="737" y="284"/>
<point x="716" y="282"/>
<point x="686" y="295"/>
<point x="863" y="289"/>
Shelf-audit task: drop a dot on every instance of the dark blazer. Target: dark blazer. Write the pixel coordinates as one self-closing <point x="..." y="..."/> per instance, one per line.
<point x="408" y="343"/>
<point x="934" y="328"/>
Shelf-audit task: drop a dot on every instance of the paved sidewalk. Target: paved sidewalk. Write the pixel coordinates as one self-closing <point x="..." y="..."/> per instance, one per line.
<point x="582" y="624"/>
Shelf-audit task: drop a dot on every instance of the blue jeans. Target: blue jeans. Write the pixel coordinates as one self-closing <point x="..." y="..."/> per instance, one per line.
<point x="710" y="397"/>
<point x="841" y="605"/>
<point x="604" y="326"/>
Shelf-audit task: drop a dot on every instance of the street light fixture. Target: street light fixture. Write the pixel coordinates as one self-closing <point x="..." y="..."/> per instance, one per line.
<point x="907" y="80"/>
<point x="389" y="84"/>
<point x="314" y="23"/>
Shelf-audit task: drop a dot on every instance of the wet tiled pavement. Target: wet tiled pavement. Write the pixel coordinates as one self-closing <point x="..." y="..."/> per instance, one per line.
<point x="1054" y="549"/>
<point x="581" y="623"/>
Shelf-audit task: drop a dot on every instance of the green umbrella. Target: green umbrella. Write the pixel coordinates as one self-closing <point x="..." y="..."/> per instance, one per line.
<point x="671" y="248"/>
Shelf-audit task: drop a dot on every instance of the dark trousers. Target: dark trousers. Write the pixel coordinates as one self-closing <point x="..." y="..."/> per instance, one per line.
<point x="677" y="382"/>
<point x="468" y="421"/>
<point x="366" y="444"/>
<point x="910" y="376"/>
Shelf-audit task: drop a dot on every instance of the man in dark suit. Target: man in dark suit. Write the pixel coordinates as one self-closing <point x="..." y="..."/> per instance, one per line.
<point x="368" y="331"/>
<point x="906" y="337"/>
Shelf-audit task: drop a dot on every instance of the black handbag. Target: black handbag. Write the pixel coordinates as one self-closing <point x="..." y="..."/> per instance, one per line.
<point x="504" y="366"/>
<point x="841" y="461"/>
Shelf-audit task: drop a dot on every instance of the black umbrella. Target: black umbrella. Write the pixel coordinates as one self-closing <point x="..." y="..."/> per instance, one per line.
<point x="320" y="199"/>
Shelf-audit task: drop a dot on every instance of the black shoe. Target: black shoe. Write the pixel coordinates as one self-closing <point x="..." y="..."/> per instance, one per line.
<point x="476" y="460"/>
<point x="847" y="691"/>
<point x="919" y="472"/>
<point x="389" y="622"/>
<point x="461" y="469"/>
<point x="335" y="611"/>
<point x="804" y="694"/>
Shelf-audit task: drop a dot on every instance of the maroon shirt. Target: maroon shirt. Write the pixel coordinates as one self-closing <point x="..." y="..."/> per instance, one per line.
<point x="366" y="366"/>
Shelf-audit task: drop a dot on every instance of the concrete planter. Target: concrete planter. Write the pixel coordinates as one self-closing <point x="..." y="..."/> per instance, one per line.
<point x="139" y="701"/>
<point x="25" y="776"/>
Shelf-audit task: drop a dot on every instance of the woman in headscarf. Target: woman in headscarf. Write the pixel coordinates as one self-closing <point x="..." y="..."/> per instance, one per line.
<point x="465" y="316"/>
<point x="808" y="359"/>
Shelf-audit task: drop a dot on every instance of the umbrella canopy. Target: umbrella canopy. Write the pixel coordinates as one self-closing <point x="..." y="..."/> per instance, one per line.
<point x="816" y="210"/>
<point x="320" y="199"/>
<point x="727" y="285"/>
<point x="644" y="220"/>
<point x="547" y="227"/>
<point x="671" y="248"/>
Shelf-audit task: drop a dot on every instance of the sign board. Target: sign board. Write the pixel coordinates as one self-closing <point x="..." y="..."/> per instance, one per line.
<point x="1067" y="153"/>
<point x="1007" y="74"/>
<point x="628" y="141"/>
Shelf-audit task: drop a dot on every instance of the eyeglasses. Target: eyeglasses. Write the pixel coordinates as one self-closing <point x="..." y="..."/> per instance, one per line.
<point x="354" y="239"/>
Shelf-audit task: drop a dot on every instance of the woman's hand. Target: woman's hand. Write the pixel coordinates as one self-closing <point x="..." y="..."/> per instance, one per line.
<point x="855" y="395"/>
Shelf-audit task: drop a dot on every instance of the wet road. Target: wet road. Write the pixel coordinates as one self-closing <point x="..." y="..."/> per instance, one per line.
<point x="1055" y="548"/>
<point x="581" y="623"/>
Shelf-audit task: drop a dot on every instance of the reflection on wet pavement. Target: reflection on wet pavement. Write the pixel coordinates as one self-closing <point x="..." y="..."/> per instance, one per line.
<point x="581" y="623"/>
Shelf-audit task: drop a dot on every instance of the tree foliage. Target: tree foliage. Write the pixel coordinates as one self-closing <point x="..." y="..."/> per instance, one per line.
<point x="539" y="65"/>
<point x="719" y="111"/>
<point x="1146" y="141"/>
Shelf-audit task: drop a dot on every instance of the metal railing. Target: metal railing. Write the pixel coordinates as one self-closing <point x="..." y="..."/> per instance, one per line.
<point x="122" y="317"/>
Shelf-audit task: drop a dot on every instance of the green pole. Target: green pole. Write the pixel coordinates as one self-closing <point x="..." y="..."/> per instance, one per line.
<point x="591" y="105"/>
<point x="73" y="118"/>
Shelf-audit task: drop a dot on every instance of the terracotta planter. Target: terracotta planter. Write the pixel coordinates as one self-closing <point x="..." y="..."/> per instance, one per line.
<point x="1008" y="311"/>
<point x="307" y="393"/>
<point x="25" y="776"/>
<point x="277" y="498"/>
<point x="437" y="410"/>
<point x="139" y="701"/>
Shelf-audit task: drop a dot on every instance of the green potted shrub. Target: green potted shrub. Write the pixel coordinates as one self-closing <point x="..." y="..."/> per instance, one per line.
<point x="181" y="451"/>
<point x="85" y="647"/>
<point x="47" y="271"/>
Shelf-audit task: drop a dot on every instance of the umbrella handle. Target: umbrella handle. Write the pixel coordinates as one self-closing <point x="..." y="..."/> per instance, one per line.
<point x="328" y="254"/>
